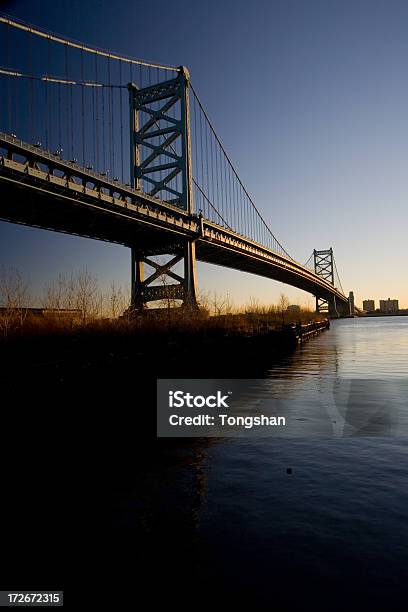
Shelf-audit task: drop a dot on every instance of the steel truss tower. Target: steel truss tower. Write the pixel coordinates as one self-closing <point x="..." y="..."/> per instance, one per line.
<point x="324" y="267"/>
<point x="160" y="155"/>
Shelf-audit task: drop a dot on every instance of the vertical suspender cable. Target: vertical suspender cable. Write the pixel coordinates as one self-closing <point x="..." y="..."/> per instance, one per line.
<point x="67" y="93"/>
<point x="212" y="168"/>
<point x="225" y="190"/>
<point x="230" y="219"/>
<point x="9" y="83"/>
<point x="103" y="130"/>
<point x="131" y="174"/>
<point x="50" y="112"/>
<point x="59" y="120"/>
<point x="201" y="152"/>
<point x="195" y="151"/>
<point x="121" y="121"/>
<point x="110" y="116"/>
<point x="109" y="126"/>
<point x="141" y="151"/>
<point x="46" y="113"/>
<point x="46" y="99"/>
<point x="31" y="110"/>
<point x="242" y="210"/>
<point x="97" y="114"/>
<point x="232" y="201"/>
<point x="207" y="189"/>
<point x="225" y="209"/>
<point x="71" y="106"/>
<point x="217" y="174"/>
<point x="235" y="201"/>
<point x="94" y="125"/>
<point x="221" y="207"/>
<point x="83" y="107"/>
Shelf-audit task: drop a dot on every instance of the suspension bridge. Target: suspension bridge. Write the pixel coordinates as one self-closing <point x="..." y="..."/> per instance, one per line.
<point x="105" y="146"/>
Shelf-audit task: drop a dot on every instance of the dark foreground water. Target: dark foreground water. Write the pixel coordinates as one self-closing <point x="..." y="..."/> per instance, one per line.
<point x="226" y="520"/>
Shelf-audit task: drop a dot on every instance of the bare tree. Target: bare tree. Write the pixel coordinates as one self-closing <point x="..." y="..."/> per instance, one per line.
<point x="78" y="292"/>
<point x="55" y="293"/>
<point x="283" y="306"/>
<point x="126" y="294"/>
<point x="253" y="306"/>
<point x="14" y="299"/>
<point x="228" y="304"/>
<point x="219" y="303"/>
<point x="70" y="298"/>
<point x="116" y="300"/>
<point x="86" y="296"/>
<point x="81" y="292"/>
<point x="204" y="301"/>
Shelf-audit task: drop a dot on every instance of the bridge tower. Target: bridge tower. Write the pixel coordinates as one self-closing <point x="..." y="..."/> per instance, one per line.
<point x="160" y="157"/>
<point x="324" y="267"/>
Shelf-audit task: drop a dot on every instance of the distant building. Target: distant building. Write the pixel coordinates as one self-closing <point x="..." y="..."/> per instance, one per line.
<point x="389" y="305"/>
<point x="351" y="303"/>
<point x="67" y="314"/>
<point x="369" y="305"/>
<point x="293" y="308"/>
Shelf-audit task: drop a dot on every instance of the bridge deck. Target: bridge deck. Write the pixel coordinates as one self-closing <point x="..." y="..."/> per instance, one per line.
<point x="41" y="190"/>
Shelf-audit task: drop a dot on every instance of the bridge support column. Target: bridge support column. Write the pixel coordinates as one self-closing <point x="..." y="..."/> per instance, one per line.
<point x="190" y="276"/>
<point x="327" y="307"/>
<point x="137" y="278"/>
<point x="332" y="307"/>
<point x="164" y="284"/>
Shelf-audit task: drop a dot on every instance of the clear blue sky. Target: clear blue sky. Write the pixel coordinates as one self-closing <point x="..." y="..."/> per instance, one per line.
<point x="311" y="100"/>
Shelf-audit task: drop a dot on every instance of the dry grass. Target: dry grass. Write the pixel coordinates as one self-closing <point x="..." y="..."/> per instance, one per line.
<point x="162" y="322"/>
<point x="99" y="313"/>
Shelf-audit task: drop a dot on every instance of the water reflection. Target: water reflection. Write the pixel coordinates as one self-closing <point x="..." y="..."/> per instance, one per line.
<point x="340" y="517"/>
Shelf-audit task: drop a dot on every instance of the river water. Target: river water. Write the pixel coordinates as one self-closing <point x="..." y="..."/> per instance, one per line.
<point x="331" y="530"/>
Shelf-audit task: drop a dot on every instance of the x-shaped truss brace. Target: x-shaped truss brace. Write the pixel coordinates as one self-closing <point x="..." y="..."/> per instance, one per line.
<point x="323" y="264"/>
<point x="164" y="291"/>
<point x="322" y="305"/>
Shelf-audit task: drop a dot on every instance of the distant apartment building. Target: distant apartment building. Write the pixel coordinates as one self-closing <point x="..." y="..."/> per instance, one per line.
<point x="369" y="305"/>
<point x="351" y="303"/>
<point x="389" y="305"/>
